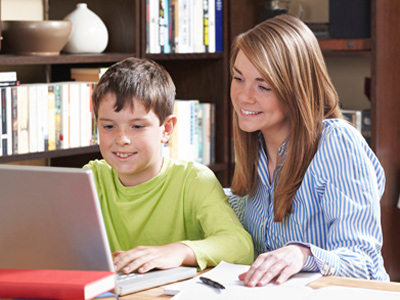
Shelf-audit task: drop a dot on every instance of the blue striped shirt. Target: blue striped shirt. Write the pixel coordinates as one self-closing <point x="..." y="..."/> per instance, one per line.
<point x="336" y="210"/>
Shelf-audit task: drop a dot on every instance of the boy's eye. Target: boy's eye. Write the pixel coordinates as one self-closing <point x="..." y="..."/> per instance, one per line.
<point x="137" y="126"/>
<point x="108" y="126"/>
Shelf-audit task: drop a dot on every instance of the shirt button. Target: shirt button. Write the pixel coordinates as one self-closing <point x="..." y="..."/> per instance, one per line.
<point x="326" y="268"/>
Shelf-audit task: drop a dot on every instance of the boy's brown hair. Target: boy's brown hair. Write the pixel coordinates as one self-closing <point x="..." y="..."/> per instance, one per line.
<point x="142" y="79"/>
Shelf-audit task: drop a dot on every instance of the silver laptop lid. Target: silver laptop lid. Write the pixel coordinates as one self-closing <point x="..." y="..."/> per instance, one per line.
<point x="50" y="218"/>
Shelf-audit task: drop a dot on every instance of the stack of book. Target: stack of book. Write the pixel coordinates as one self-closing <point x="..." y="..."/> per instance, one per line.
<point x="184" y="26"/>
<point x="361" y="120"/>
<point x="194" y="136"/>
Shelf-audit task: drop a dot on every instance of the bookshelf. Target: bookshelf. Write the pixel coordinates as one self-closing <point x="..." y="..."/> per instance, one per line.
<point x="202" y="76"/>
<point x="382" y="51"/>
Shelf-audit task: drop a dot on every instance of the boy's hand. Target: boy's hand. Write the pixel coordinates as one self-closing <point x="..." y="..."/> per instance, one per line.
<point x="145" y="258"/>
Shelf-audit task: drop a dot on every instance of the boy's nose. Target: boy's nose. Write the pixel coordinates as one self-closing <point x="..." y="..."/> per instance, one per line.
<point x="123" y="139"/>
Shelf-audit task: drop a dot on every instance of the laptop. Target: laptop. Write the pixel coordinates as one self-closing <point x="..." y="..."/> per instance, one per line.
<point x="50" y="218"/>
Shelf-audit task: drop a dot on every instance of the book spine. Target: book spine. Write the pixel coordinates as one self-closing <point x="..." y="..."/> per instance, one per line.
<point x="51" y="118"/>
<point x="154" y="19"/>
<point x="65" y="116"/>
<point x="3" y="123"/>
<point x="206" y="20"/>
<point x="9" y="120"/>
<point x="197" y="32"/>
<point x="23" y="120"/>
<point x="57" y="111"/>
<point x="184" y="27"/>
<point x="211" y="26"/>
<point x="9" y="83"/>
<point x="219" y="26"/>
<point x="33" y="118"/>
<point x="8" y="76"/>
<point x="14" y="104"/>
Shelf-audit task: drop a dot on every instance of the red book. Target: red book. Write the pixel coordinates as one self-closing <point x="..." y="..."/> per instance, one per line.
<point x="54" y="284"/>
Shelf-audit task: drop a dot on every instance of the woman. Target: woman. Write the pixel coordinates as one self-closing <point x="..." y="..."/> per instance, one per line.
<point x="306" y="184"/>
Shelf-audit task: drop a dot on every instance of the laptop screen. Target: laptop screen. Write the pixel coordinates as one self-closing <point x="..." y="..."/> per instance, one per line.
<point x="50" y="218"/>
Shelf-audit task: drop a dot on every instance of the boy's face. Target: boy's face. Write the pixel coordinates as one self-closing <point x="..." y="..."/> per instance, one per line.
<point x="130" y="140"/>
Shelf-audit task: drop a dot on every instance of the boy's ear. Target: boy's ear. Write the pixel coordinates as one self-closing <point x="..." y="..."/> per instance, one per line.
<point x="169" y="125"/>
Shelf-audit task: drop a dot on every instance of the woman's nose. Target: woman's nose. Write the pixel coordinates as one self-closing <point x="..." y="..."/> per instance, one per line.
<point x="245" y="94"/>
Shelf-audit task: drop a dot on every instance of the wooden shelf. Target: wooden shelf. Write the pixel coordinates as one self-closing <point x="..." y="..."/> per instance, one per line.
<point x="49" y="154"/>
<point x="62" y="59"/>
<point x="184" y="56"/>
<point x="348" y="47"/>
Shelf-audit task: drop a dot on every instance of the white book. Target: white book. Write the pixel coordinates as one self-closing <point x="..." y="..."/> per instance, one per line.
<point x="74" y="96"/>
<point x="9" y="120"/>
<point x="51" y="117"/>
<point x="186" y="147"/>
<point x="23" y="119"/>
<point x="43" y="116"/>
<point x="8" y="76"/>
<point x="65" y="116"/>
<point x="206" y="131"/>
<point x="211" y="26"/>
<point x="85" y="114"/>
<point x="153" y="26"/>
<point x="33" y="118"/>
<point x="197" y="30"/>
<point x="184" y="43"/>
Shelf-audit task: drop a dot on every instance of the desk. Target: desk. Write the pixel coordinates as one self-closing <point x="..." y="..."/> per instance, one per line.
<point x="158" y="293"/>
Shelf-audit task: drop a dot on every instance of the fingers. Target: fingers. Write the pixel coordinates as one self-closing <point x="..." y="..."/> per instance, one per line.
<point x="275" y="266"/>
<point x="135" y="259"/>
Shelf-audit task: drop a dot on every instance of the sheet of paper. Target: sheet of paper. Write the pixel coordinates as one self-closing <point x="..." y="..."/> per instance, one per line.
<point x="227" y="274"/>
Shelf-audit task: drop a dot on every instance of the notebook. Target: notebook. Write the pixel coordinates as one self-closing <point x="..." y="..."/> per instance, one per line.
<point x="50" y="218"/>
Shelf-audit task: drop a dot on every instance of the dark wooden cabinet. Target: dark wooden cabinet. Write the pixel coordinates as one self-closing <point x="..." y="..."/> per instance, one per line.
<point x="383" y="51"/>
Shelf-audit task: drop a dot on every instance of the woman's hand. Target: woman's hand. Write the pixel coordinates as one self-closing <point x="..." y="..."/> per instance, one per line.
<point x="279" y="264"/>
<point x="145" y="258"/>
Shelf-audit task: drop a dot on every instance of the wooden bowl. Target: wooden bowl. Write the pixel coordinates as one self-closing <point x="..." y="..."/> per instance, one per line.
<point x="44" y="38"/>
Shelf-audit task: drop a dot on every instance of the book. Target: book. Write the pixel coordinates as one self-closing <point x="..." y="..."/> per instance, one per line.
<point x="4" y="123"/>
<point x="366" y="124"/>
<point x="14" y="113"/>
<point x="33" y="118"/>
<point x="9" y="83"/>
<point x="153" y="16"/>
<point x="353" y="116"/>
<point x="51" y="98"/>
<point x="8" y="76"/>
<point x="218" y="26"/>
<point x="9" y="120"/>
<point x="23" y="119"/>
<point x="184" y="37"/>
<point x="87" y="74"/>
<point x="211" y="26"/>
<point x="54" y="284"/>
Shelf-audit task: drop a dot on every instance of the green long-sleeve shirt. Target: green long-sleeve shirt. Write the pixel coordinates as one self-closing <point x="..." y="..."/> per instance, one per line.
<point x="183" y="203"/>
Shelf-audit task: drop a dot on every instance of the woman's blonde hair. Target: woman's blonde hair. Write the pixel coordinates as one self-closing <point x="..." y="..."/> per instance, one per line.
<point x="287" y="55"/>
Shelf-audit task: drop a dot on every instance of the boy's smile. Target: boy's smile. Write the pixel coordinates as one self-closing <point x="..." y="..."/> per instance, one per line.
<point x="130" y="140"/>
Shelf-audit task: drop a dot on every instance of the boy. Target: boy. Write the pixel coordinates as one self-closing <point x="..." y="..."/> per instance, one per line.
<point x="159" y="213"/>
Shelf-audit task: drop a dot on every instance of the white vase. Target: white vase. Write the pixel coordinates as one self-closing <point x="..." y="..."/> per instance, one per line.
<point x="89" y="34"/>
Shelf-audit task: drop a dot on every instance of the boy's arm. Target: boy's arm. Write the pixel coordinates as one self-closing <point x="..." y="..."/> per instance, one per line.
<point x="224" y="237"/>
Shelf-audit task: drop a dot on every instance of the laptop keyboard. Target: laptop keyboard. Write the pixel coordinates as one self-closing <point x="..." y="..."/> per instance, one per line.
<point x="127" y="278"/>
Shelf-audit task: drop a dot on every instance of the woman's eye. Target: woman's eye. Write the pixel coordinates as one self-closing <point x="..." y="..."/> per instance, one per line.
<point x="237" y="78"/>
<point x="264" y="88"/>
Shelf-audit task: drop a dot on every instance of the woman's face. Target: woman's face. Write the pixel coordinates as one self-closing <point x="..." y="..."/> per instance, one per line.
<point x="255" y="103"/>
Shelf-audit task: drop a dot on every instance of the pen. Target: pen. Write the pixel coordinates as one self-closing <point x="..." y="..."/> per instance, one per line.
<point x="211" y="282"/>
